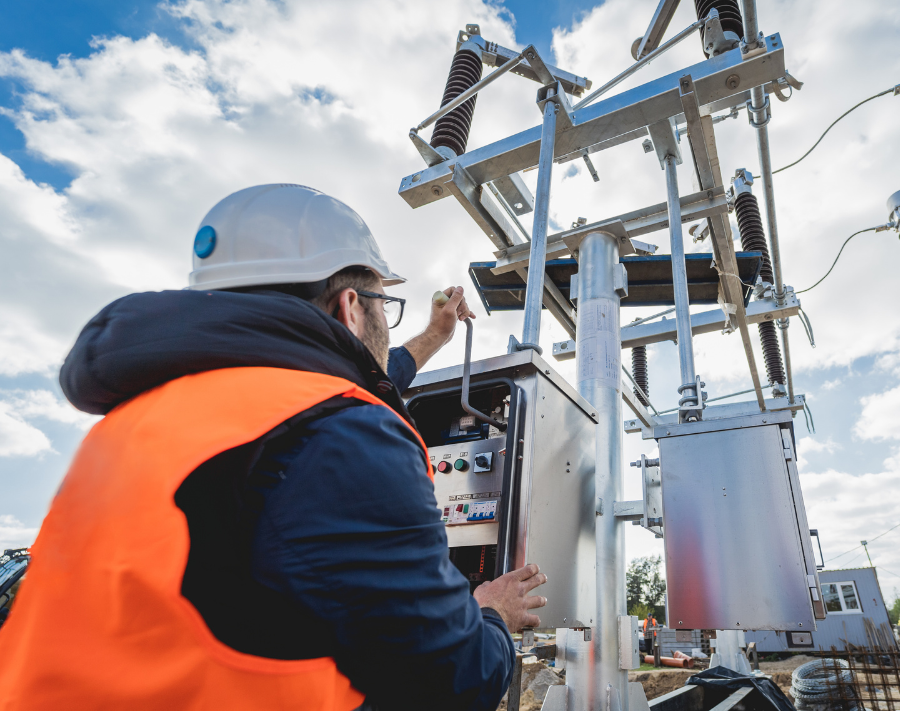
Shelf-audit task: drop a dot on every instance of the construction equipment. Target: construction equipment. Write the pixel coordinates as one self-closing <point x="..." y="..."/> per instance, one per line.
<point x="554" y="494"/>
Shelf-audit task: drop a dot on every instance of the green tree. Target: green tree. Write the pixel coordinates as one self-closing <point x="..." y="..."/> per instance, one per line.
<point x="894" y="610"/>
<point x="645" y="586"/>
<point x="640" y="610"/>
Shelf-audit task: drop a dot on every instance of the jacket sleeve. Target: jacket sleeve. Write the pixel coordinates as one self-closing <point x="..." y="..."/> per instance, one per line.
<point x="352" y="532"/>
<point x="401" y="367"/>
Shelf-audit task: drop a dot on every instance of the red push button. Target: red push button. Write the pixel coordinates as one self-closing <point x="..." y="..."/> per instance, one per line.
<point x="444" y="467"/>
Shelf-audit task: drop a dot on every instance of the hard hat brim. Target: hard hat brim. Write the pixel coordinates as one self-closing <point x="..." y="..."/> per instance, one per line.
<point x="232" y="276"/>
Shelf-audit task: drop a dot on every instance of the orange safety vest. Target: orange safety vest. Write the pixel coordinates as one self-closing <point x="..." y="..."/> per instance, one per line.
<point x="101" y="622"/>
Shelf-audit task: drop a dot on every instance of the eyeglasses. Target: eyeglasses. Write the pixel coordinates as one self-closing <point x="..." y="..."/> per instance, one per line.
<point x="393" y="306"/>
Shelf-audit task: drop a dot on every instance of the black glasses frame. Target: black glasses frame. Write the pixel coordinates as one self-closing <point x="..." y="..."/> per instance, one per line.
<point x="385" y="297"/>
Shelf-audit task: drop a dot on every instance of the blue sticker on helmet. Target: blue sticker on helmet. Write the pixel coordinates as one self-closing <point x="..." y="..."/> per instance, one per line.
<point x="205" y="242"/>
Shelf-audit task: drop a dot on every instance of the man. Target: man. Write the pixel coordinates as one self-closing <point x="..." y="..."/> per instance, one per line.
<point x="253" y="523"/>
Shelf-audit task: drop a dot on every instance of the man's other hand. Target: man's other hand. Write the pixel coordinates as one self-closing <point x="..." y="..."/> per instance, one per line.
<point x="508" y="595"/>
<point x="444" y="317"/>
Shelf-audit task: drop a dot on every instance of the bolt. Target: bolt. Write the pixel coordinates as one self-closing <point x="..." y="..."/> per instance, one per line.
<point x="765" y="421"/>
<point x="530" y="55"/>
<point x="437" y="191"/>
<point x="680" y="622"/>
<point x="733" y="81"/>
<point x="709" y="193"/>
<point x="745" y="49"/>
<point x="667" y="432"/>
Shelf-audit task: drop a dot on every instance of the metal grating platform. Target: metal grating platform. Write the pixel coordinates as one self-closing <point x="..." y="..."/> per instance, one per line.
<point x="649" y="280"/>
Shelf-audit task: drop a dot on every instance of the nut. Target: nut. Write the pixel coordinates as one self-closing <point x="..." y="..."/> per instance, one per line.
<point x="437" y="190"/>
<point x="733" y="81"/>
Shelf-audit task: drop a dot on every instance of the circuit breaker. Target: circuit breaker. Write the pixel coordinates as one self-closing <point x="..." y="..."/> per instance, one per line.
<point x="519" y="495"/>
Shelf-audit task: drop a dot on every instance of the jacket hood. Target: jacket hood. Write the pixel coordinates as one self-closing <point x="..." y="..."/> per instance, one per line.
<point x="144" y="340"/>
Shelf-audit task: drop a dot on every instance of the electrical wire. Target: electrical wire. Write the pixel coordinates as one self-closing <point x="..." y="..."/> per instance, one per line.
<point x="791" y="165"/>
<point x="868" y="229"/>
<point x="869" y="540"/>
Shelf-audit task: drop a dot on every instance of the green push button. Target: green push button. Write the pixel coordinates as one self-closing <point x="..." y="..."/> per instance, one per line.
<point x="460" y="465"/>
<point x="466" y="509"/>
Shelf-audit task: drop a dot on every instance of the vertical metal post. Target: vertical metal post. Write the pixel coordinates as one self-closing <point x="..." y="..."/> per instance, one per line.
<point x="534" y="291"/>
<point x="593" y="664"/>
<point x="689" y="390"/>
<point x="758" y="111"/>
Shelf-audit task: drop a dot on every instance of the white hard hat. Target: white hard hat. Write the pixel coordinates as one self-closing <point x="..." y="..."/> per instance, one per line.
<point x="281" y="234"/>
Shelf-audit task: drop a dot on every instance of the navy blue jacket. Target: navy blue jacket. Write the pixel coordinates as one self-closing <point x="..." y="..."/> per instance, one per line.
<point x="322" y="538"/>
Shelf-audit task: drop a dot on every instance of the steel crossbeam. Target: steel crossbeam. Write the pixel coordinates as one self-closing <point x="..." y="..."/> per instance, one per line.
<point x="715" y="80"/>
<point x="704" y="322"/>
<point x="636" y="223"/>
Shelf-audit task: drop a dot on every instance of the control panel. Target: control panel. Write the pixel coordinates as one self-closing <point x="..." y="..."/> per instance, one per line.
<point x="468" y="486"/>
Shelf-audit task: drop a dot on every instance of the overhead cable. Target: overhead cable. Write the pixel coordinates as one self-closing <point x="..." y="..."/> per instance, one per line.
<point x="860" y="546"/>
<point x="893" y="90"/>
<point x="868" y="229"/>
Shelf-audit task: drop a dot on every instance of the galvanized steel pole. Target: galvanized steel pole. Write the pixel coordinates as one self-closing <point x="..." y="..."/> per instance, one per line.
<point x="680" y="286"/>
<point x="592" y="665"/>
<point x="534" y="291"/>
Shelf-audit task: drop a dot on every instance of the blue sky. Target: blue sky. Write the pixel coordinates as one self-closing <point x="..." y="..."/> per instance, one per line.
<point x="46" y="29"/>
<point x="136" y="140"/>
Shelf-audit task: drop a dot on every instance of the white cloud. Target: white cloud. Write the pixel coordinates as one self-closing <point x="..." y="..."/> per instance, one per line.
<point x="15" y="534"/>
<point x="19" y="437"/>
<point x="831" y="384"/>
<point x="849" y="508"/>
<point x="880" y="418"/>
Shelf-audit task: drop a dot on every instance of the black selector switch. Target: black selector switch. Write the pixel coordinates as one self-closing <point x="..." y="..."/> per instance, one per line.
<point x="484" y="462"/>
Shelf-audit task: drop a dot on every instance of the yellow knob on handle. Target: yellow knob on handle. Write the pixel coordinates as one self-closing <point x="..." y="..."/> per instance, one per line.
<point x="440" y="298"/>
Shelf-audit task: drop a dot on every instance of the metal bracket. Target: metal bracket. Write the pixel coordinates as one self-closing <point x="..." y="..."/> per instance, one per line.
<point x="620" y="280"/>
<point x="628" y="510"/>
<point x="752" y="49"/>
<point x="651" y="485"/>
<point x="516" y="193"/>
<point x="494" y="55"/>
<point x="429" y="155"/>
<point x="715" y="39"/>
<point x="616" y="228"/>
<point x="554" y="93"/>
<point x="665" y="141"/>
<point x="469" y="195"/>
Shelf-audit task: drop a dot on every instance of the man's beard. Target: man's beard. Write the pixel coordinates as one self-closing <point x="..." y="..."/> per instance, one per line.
<point x="376" y="338"/>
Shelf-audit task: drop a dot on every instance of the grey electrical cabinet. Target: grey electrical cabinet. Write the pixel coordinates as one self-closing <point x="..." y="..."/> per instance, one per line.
<point x="519" y="496"/>
<point x="737" y="543"/>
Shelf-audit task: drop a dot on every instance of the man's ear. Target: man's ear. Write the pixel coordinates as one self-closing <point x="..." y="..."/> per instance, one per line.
<point x="350" y="311"/>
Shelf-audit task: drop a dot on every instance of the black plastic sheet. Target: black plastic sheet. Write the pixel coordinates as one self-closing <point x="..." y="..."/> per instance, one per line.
<point x="724" y="678"/>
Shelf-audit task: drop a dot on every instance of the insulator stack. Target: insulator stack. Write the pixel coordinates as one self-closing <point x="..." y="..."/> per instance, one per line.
<point x="729" y="14"/>
<point x="639" y="371"/>
<point x="452" y="131"/>
<point x="753" y="239"/>
<point x="771" y="352"/>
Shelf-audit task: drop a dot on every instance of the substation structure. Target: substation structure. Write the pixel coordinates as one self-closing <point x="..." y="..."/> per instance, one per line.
<point x="530" y="469"/>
